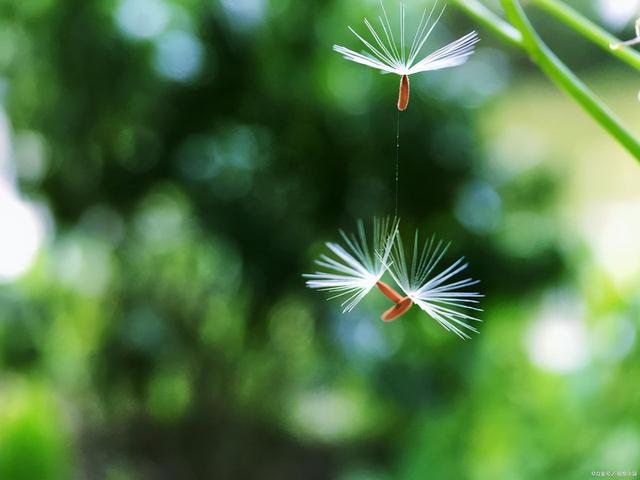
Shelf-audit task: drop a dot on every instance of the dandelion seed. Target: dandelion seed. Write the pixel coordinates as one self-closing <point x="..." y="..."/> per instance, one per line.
<point x="354" y="269"/>
<point x="442" y="298"/>
<point x="633" y="41"/>
<point x="386" y="55"/>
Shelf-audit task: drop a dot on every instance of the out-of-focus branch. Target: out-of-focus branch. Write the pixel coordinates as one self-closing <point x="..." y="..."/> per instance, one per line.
<point x="490" y="20"/>
<point x="589" y="30"/>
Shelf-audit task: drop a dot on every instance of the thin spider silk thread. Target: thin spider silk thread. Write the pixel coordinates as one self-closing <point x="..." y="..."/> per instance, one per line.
<point x="398" y="125"/>
<point x="397" y="163"/>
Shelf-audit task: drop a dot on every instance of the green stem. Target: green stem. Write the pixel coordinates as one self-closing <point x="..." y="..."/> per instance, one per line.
<point x="490" y="20"/>
<point x="589" y="30"/>
<point x="557" y="71"/>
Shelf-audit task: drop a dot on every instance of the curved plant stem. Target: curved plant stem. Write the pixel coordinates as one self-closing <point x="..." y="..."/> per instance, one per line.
<point x="557" y="71"/>
<point x="490" y="20"/>
<point x="589" y="30"/>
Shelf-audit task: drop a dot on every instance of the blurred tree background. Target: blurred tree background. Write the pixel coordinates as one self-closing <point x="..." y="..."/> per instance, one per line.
<point x="170" y="168"/>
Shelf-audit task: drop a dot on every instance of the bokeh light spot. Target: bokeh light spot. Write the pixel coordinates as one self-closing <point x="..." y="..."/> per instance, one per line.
<point x="617" y="13"/>
<point x="83" y="265"/>
<point x="329" y="415"/>
<point x="169" y="394"/>
<point x="479" y="207"/>
<point x="162" y="218"/>
<point x="22" y="231"/>
<point x="244" y="14"/>
<point x="557" y="340"/>
<point x="178" y="55"/>
<point x="614" y="241"/>
<point x="142" y="19"/>
<point x="31" y="156"/>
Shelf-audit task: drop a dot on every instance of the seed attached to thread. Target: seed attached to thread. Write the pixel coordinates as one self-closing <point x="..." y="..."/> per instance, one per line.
<point x="397" y="310"/>
<point x="389" y="292"/>
<point x="388" y="53"/>
<point x="403" y="95"/>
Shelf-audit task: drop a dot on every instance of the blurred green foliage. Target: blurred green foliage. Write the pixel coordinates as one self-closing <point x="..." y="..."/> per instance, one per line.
<point x="191" y="157"/>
